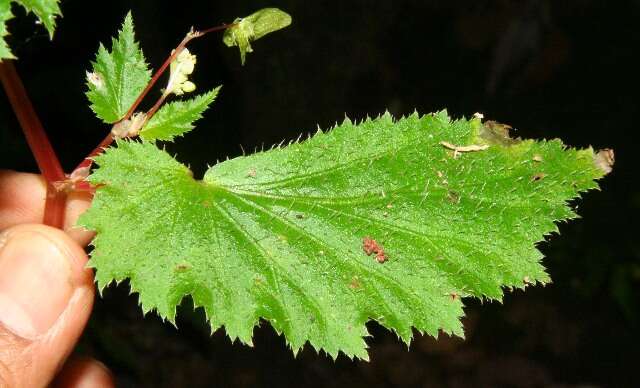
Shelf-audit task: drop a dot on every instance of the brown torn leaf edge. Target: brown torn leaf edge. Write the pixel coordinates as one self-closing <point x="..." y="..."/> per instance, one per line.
<point x="494" y="132"/>
<point x="605" y="159"/>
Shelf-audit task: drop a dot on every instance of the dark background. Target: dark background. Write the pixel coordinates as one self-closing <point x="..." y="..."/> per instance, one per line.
<point x="550" y="68"/>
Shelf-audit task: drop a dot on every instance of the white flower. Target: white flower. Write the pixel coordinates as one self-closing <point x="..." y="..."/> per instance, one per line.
<point x="180" y="69"/>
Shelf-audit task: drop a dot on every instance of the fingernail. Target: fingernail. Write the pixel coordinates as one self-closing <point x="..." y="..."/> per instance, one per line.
<point x="35" y="283"/>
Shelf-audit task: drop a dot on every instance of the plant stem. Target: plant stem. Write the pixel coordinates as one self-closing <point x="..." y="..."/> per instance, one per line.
<point x="39" y="144"/>
<point x="31" y="126"/>
<point x="54" y="207"/>
<point x="86" y="162"/>
<point x="156" y="106"/>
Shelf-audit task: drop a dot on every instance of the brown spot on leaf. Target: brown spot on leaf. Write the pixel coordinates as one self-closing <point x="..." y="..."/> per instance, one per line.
<point x="454" y="296"/>
<point x="538" y="176"/>
<point x="252" y="173"/>
<point x="299" y="216"/>
<point x="182" y="267"/>
<point x="453" y="196"/>
<point x="206" y="203"/>
<point x="371" y="246"/>
<point x="355" y="283"/>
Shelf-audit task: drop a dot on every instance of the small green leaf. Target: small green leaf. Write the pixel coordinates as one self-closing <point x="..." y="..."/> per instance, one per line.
<point x="45" y="10"/>
<point x="254" y="27"/>
<point x="288" y="235"/>
<point x="5" y="15"/>
<point x="176" y="118"/>
<point x="118" y="76"/>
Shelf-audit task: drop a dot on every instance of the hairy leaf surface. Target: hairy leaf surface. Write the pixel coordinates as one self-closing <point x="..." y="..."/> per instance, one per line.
<point x="5" y="16"/>
<point x="118" y="75"/>
<point x="45" y="10"/>
<point x="456" y="208"/>
<point x="177" y="118"/>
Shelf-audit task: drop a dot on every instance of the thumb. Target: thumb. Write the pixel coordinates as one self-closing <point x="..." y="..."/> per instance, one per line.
<point x="46" y="296"/>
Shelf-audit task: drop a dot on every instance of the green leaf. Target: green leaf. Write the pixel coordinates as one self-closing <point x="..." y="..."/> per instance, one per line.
<point x="176" y="118"/>
<point x="118" y="76"/>
<point x="5" y="15"/>
<point x="254" y="27"/>
<point x="45" y="10"/>
<point x="282" y="234"/>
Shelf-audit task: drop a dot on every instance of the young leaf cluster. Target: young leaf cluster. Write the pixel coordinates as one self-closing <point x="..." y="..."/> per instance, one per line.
<point x="119" y="76"/>
<point x="45" y="10"/>
<point x="452" y="208"/>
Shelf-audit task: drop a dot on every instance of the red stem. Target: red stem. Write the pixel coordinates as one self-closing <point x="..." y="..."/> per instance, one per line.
<point x="155" y="107"/>
<point x="31" y="126"/>
<point x="221" y="27"/>
<point x="87" y="161"/>
<point x="39" y="144"/>
<point x="54" y="207"/>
